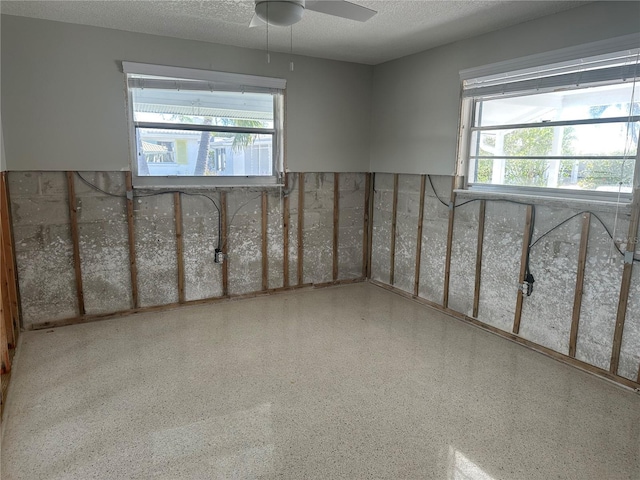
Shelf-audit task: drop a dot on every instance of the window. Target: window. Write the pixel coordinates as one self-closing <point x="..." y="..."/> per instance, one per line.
<point x="565" y="128"/>
<point x="196" y="128"/>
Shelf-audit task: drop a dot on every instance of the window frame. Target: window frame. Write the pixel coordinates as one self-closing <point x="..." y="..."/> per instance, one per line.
<point x="275" y="86"/>
<point x="536" y="63"/>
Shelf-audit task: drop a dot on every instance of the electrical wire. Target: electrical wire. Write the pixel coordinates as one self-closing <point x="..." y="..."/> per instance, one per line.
<point x="163" y="192"/>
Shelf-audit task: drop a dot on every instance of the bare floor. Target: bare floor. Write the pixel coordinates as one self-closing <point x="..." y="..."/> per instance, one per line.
<point x="348" y="382"/>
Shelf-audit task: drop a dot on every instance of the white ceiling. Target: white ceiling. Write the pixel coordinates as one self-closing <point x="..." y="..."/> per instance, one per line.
<point x="400" y="28"/>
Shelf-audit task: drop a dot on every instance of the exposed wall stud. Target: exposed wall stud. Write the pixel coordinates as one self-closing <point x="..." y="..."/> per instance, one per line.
<point x="177" y="210"/>
<point x="455" y="183"/>
<point x="336" y="222"/>
<point x="75" y="238"/>
<point x="300" y="227"/>
<point x="223" y="243"/>
<point x="265" y="260"/>
<point x="9" y="254"/>
<point x="133" y="268"/>
<point x="526" y="240"/>
<point x="366" y="236"/>
<point x="394" y="219"/>
<point x="285" y="232"/>
<point x="7" y="314"/>
<point x="624" y="289"/>
<point x="5" y="359"/>
<point x="476" y="292"/>
<point x="577" y="298"/>
<point x="416" y="283"/>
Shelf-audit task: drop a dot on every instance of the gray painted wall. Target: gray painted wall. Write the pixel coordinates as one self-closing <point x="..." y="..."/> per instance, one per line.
<point x="416" y="99"/>
<point x="63" y="96"/>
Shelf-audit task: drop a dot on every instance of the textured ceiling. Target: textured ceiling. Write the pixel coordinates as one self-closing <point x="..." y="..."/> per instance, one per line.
<point x="400" y="28"/>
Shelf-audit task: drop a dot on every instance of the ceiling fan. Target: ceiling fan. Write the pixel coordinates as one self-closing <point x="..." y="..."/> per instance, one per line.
<point x="282" y="13"/>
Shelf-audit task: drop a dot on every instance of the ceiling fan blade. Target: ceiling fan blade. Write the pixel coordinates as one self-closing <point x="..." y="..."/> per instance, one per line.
<point x="256" y="21"/>
<point x="340" y="8"/>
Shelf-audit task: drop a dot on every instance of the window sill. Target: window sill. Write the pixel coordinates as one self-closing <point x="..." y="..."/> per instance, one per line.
<point x="204" y="183"/>
<point x="624" y="207"/>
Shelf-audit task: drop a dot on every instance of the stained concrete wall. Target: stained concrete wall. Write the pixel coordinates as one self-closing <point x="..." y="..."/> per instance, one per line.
<point x="546" y="314"/>
<point x="104" y="242"/>
<point x="351" y="224"/>
<point x="44" y="250"/>
<point x="202" y="277"/>
<point x="381" y="232"/>
<point x="44" y="247"/>
<point x="318" y="227"/>
<point x="434" y="239"/>
<point x="464" y="249"/>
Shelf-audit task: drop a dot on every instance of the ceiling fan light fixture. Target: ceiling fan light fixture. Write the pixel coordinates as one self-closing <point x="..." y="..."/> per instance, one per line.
<point x="279" y="13"/>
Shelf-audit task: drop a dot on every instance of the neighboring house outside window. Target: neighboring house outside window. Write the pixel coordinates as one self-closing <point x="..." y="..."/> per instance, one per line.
<point x="195" y="127"/>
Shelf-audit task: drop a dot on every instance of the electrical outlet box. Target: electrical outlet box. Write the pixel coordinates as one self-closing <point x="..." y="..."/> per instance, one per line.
<point x="219" y="256"/>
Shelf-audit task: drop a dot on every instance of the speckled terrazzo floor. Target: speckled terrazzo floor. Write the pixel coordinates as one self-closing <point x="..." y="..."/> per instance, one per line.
<point x="348" y="382"/>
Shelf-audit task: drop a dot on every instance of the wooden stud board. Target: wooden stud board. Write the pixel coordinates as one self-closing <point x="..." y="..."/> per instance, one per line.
<point x="625" y="285"/>
<point x="133" y="268"/>
<point x="300" y="228"/>
<point x="416" y="284"/>
<point x="264" y="223"/>
<point x="223" y="243"/>
<point x="7" y="246"/>
<point x="336" y="223"/>
<point x="177" y="210"/>
<point x="394" y="220"/>
<point x="365" y="230"/>
<point x="7" y="314"/>
<point x="75" y="238"/>
<point x="523" y="265"/>
<point x="447" y="262"/>
<point x="5" y="360"/>
<point x="476" y="292"/>
<point x="285" y="232"/>
<point x="577" y="298"/>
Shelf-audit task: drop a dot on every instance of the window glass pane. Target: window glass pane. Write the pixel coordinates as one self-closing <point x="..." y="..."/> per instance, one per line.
<point x="574" y="104"/>
<point x="232" y="109"/>
<point x="592" y="174"/>
<point x="192" y="153"/>
<point x="605" y="139"/>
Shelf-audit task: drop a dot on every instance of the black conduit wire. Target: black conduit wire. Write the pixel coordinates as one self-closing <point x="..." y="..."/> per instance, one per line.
<point x="529" y="279"/>
<point x="163" y="192"/>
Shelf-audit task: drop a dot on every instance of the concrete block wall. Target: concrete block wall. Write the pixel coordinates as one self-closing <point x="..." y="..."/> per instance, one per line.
<point x="351" y="224"/>
<point x="104" y="243"/>
<point x="318" y="227"/>
<point x="547" y="314"/>
<point x="44" y="247"/>
<point x="434" y="239"/>
<point x="44" y="250"/>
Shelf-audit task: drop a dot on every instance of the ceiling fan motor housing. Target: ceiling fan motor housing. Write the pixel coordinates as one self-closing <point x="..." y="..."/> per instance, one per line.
<point x="281" y="13"/>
